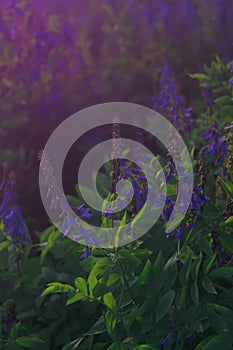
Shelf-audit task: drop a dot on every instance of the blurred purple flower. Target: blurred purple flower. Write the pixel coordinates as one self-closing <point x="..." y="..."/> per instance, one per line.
<point x="167" y="210"/>
<point x="179" y="264"/>
<point x="10" y="212"/>
<point x="168" y="101"/>
<point x="231" y="67"/>
<point x="69" y="222"/>
<point x="215" y="143"/>
<point x="86" y="253"/>
<point x="198" y="199"/>
<point x="179" y="232"/>
<point x="190" y="225"/>
<point x="86" y="214"/>
<point x="139" y="196"/>
<point x="164" y="340"/>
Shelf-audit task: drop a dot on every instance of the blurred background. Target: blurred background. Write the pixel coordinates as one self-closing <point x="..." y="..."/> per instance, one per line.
<point x="58" y="57"/>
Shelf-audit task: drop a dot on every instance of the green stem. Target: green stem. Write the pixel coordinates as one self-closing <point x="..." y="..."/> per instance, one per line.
<point x="178" y="247"/>
<point x="18" y="268"/>
<point x="18" y="259"/>
<point x="126" y="282"/>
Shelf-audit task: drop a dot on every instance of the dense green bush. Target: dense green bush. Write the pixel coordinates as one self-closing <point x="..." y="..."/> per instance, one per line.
<point x="158" y="292"/>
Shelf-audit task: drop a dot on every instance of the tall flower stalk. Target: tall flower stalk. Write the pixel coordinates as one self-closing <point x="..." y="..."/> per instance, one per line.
<point x="10" y="211"/>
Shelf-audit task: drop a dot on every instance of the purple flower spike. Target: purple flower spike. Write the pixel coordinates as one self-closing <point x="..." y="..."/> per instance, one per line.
<point x="168" y="101"/>
<point x="216" y="143"/>
<point x="10" y="212"/>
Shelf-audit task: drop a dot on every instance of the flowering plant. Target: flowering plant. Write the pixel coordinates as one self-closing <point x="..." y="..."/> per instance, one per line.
<point x="161" y="291"/>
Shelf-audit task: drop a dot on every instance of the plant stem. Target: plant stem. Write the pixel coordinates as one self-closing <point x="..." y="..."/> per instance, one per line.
<point x="126" y="282"/>
<point x="18" y="268"/>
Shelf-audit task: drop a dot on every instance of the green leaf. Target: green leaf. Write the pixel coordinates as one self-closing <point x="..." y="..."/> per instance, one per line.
<point x="228" y="187"/>
<point x="27" y="342"/>
<point x="48" y="274"/>
<point x="57" y="287"/>
<point x="78" y="296"/>
<point x="170" y="272"/>
<point x="223" y="100"/>
<point x="209" y="263"/>
<point x="192" y="314"/>
<point x="110" y="321"/>
<point x="226" y="312"/>
<point x="100" y="289"/>
<point x="204" y="245"/>
<point x="181" y="296"/>
<point x="145" y="347"/>
<point x="122" y="223"/>
<point x="226" y="239"/>
<point x="4" y="245"/>
<point x="102" y="184"/>
<point x="208" y="285"/>
<point x="222" y="272"/>
<point x="74" y="344"/>
<point x="115" y="346"/>
<point x="92" y="282"/>
<point x="197" y="326"/>
<point x="171" y="190"/>
<point x="138" y="312"/>
<point x="130" y="256"/>
<point x="195" y="293"/>
<point x="185" y="271"/>
<point x="14" y="330"/>
<point x="158" y="272"/>
<point x="109" y="301"/>
<point x="44" y="236"/>
<point x="164" y="304"/>
<point x="217" y="342"/>
<point x="216" y="321"/>
<point x="145" y="275"/>
<point x="73" y="201"/>
<point x="53" y="237"/>
<point x="199" y="76"/>
<point x="140" y="220"/>
<point x="81" y="285"/>
<point x="98" y="327"/>
<point x="228" y="222"/>
<point x="101" y="346"/>
<point x="89" y="194"/>
<point x="88" y="264"/>
<point x="101" y="266"/>
<point x="112" y="279"/>
<point x="196" y="266"/>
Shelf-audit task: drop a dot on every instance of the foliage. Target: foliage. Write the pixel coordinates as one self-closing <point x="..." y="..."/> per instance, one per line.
<point x="159" y="292"/>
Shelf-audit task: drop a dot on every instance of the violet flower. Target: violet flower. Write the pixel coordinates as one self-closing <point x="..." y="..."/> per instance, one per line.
<point x="164" y="340"/>
<point x="215" y="143"/>
<point x="70" y="225"/>
<point x="86" y="253"/>
<point x="168" y="101"/>
<point x="10" y="212"/>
